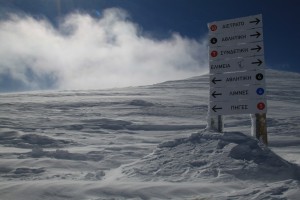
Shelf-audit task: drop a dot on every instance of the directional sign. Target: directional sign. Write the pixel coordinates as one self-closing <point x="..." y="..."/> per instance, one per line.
<point x="243" y="23"/>
<point x="236" y="37"/>
<point x="237" y="64"/>
<point x="240" y="92"/>
<point x="243" y="50"/>
<point x="237" y="79"/>
<point x="238" y="107"/>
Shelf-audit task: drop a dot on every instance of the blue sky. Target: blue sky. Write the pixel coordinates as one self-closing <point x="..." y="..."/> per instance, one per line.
<point x="161" y="19"/>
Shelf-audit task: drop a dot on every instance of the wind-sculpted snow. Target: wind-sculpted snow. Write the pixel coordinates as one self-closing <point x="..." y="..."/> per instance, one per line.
<point x="146" y="142"/>
<point x="208" y="155"/>
<point x="139" y="102"/>
<point x="21" y="140"/>
<point x="63" y="154"/>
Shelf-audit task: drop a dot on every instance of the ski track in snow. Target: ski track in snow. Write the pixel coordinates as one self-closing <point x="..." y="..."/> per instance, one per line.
<point x="146" y="142"/>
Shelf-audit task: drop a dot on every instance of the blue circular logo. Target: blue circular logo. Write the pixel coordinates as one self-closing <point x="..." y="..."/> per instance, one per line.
<point x="260" y="91"/>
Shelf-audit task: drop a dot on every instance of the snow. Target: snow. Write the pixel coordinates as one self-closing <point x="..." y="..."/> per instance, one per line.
<point x="147" y="142"/>
<point x="214" y="156"/>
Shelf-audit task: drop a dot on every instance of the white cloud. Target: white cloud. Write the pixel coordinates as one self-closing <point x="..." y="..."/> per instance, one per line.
<point x="88" y="53"/>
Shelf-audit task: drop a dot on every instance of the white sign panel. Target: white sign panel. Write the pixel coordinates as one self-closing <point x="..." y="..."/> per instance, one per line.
<point x="238" y="107"/>
<point x="237" y="64"/>
<point x="239" y="78"/>
<point x="243" y="50"/>
<point x="234" y="93"/>
<point x="243" y="23"/>
<point x="237" y="37"/>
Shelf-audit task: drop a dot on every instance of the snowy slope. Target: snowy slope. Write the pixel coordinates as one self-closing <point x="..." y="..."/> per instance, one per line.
<point x="146" y="142"/>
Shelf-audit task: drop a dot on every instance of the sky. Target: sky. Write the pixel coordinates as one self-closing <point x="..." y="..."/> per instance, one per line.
<point x="97" y="44"/>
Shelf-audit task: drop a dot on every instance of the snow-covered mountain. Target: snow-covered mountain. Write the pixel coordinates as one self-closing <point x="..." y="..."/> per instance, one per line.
<point x="146" y="142"/>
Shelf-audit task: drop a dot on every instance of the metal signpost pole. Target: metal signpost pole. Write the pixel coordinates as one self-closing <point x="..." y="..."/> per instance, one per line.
<point x="261" y="127"/>
<point x="216" y="123"/>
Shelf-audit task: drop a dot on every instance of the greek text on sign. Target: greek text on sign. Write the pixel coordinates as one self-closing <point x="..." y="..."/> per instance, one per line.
<point x="239" y="78"/>
<point x="236" y="64"/>
<point x="237" y="37"/>
<point x="243" y="23"/>
<point x="240" y="92"/>
<point x="243" y="50"/>
<point x="238" y="107"/>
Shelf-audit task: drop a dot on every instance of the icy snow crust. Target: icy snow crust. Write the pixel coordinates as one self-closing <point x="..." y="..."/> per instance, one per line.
<point x="146" y="142"/>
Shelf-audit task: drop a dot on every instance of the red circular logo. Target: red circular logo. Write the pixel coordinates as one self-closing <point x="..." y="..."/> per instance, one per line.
<point x="213" y="27"/>
<point x="261" y="106"/>
<point x="214" y="54"/>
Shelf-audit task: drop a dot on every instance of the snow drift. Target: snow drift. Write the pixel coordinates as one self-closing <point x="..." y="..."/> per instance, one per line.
<point x="208" y="155"/>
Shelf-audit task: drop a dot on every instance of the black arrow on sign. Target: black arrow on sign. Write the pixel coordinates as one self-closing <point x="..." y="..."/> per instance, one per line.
<point x="214" y="94"/>
<point x="258" y="48"/>
<point x="257" y="34"/>
<point x="255" y="21"/>
<point x="259" y="62"/>
<point x="215" y="80"/>
<point x="215" y="108"/>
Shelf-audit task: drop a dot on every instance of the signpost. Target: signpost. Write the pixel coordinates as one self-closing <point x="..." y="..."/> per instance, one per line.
<point x="231" y="38"/>
<point x="235" y="51"/>
<point x="237" y="64"/>
<point x="238" y="107"/>
<point x="244" y="23"/>
<point x="233" y="93"/>
<point x="237" y="77"/>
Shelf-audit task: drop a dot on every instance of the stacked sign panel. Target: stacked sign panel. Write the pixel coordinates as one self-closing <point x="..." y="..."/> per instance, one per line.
<point x="236" y="62"/>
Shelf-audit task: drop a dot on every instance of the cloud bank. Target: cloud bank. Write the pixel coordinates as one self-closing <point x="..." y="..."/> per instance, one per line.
<point x="91" y="53"/>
